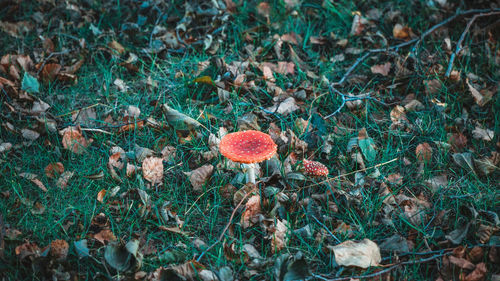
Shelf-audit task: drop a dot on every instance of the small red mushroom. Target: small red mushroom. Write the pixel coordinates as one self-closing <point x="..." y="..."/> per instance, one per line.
<point x="314" y="168"/>
<point x="248" y="147"/>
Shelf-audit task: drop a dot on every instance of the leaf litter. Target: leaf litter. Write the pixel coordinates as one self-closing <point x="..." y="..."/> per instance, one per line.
<point x="290" y="225"/>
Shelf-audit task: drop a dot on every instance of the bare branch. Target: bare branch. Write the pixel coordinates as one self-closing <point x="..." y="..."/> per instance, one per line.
<point x="462" y="37"/>
<point x="415" y="41"/>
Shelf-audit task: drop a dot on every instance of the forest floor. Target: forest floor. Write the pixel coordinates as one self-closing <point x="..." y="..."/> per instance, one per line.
<point x="112" y="112"/>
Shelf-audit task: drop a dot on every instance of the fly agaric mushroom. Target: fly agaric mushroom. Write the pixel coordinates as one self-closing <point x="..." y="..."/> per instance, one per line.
<point x="314" y="168"/>
<point x="249" y="148"/>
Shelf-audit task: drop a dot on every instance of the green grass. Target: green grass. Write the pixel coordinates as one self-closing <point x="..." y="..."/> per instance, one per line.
<point x="75" y="206"/>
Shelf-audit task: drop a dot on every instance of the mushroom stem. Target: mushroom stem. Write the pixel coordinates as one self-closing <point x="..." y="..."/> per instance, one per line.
<point x="250" y="172"/>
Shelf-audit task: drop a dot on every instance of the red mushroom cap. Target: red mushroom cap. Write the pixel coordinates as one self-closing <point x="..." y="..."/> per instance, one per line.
<point x="247" y="146"/>
<point x="314" y="168"/>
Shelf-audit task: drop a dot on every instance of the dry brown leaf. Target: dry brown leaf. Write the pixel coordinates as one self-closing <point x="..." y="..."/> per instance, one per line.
<point x="479" y="98"/>
<point x="54" y="169"/>
<point x="360" y="254"/>
<point x="252" y="212"/>
<point x="37" y="208"/>
<point x="16" y="29"/>
<point x="290" y="38"/>
<point x="116" y="161"/>
<point x="101" y="194"/>
<point x="358" y="24"/>
<point x="152" y="169"/>
<point x="478" y="274"/>
<point x="462" y="263"/>
<point x="105" y="235"/>
<point x="132" y="170"/>
<point x="280" y="237"/>
<point x="437" y="182"/>
<point x="458" y="141"/>
<point x="50" y="71"/>
<point x="268" y="73"/>
<point x="168" y="153"/>
<point x="59" y="249"/>
<point x="34" y="179"/>
<point x="73" y="140"/>
<point x="432" y="86"/>
<point x="117" y="47"/>
<point x="27" y="249"/>
<point x="423" y="152"/>
<point x="401" y="32"/>
<point x="63" y="180"/>
<point x="199" y="176"/>
<point x="382" y="69"/>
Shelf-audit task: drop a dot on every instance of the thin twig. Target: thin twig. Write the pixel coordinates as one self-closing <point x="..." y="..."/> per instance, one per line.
<point x="49" y="57"/>
<point x="462" y="37"/>
<point x="326" y="228"/>
<point x="225" y="229"/>
<point x="378" y="273"/>
<point x="415" y="41"/>
<point x="95" y="130"/>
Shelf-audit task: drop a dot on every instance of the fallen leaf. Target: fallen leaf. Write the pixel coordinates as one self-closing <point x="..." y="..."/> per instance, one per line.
<point x="34" y="179"/>
<point x="279" y="237"/>
<point x="478" y="274"/>
<point x="101" y="194"/>
<point x="117" y="47"/>
<point x="199" y="176"/>
<point x="423" y="152"/>
<point x="50" y="71"/>
<point x="479" y="98"/>
<point x="285" y="107"/>
<point x="63" y="180"/>
<point x="484" y="166"/>
<point x="37" y="208"/>
<point x="205" y="80"/>
<point x="401" y="32"/>
<point x="59" y="249"/>
<point x="54" y="169"/>
<point x="360" y="254"/>
<point x="462" y="263"/>
<point x="27" y="249"/>
<point x="104" y="236"/>
<point x="152" y="169"/>
<point x="437" y="182"/>
<point x="483" y="134"/>
<point x="382" y="69"/>
<point x="178" y="120"/>
<point x="30" y="84"/>
<point x="358" y="24"/>
<point x="252" y="211"/>
<point x="123" y="257"/>
<point x="81" y="248"/>
<point x="120" y="85"/>
<point x="459" y="234"/>
<point x="458" y="141"/>
<point x="432" y="86"/>
<point x="73" y="140"/>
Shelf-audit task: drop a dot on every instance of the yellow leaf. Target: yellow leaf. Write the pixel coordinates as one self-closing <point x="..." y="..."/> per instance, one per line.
<point x="205" y="80"/>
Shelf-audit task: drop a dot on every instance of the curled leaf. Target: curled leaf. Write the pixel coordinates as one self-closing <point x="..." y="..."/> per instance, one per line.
<point x="199" y="176"/>
<point x="152" y="169"/>
<point x="360" y="254"/>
